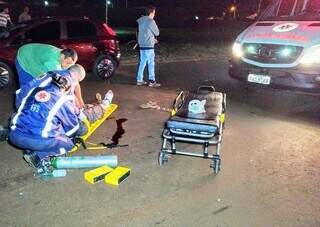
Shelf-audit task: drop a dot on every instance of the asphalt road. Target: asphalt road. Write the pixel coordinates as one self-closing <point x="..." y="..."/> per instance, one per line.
<point x="270" y="162"/>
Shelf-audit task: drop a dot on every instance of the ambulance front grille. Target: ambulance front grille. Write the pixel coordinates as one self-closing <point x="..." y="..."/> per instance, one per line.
<point x="271" y="53"/>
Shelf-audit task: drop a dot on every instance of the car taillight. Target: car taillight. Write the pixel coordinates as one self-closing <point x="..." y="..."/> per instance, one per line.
<point x="109" y="30"/>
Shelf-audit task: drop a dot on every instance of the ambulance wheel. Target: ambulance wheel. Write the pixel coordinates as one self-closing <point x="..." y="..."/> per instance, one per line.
<point x="163" y="158"/>
<point x="6" y="75"/>
<point x="104" y="67"/>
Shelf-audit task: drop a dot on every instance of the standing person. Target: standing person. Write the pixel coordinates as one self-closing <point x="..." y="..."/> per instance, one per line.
<point x="4" y="19"/>
<point x="35" y="59"/>
<point x="147" y="32"/>
<point x="24" y="16"/>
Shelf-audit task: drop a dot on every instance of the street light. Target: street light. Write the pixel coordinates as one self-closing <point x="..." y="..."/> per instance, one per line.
<point x="233" y="10"/>
<point x="107" y="3"/>
<point x="46" y="3"/>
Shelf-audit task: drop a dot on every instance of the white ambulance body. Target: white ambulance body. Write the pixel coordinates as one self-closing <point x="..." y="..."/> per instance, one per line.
<point x="281" y="49"/>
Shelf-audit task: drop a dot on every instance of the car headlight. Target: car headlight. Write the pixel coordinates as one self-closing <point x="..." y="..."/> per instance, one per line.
<point x="311" y="56"/>
<point x="237" y="50"/>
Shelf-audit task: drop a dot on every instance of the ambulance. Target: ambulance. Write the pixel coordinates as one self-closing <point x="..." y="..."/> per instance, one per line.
<point x="282" y="48"/>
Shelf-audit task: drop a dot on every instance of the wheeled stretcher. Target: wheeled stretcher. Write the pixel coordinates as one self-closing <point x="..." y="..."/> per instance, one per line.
<point x="200" y="128"/>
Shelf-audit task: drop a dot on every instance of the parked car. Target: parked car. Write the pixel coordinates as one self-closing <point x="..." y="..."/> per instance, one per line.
<point x="95" y="42"/>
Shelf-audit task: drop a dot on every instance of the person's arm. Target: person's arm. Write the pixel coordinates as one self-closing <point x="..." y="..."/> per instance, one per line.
<point x="154" y="28"/>
<point x="78" y="94"/>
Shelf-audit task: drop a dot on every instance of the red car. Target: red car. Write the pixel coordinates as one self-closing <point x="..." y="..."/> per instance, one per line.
<point x="95" y="42"/>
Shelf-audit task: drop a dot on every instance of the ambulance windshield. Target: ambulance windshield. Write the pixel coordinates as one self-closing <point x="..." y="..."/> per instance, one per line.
<point x="292" y="10"/>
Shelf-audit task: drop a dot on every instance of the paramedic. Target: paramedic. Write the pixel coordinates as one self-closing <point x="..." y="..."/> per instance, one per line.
<point x="45" y="121"/>
<point x="35" y="59"/>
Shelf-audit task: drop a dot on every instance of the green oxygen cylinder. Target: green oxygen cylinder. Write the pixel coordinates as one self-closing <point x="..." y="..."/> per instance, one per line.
<point x="83" y="162"/>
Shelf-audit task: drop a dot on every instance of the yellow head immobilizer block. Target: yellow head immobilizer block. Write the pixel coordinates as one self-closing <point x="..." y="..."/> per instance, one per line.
<point x="98" y="174"/>
<point x="118" y="175"/>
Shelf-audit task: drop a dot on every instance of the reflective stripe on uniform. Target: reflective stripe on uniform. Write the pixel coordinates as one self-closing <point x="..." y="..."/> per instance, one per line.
<point x="53" y="112"/>
<point x="23" y="103"/>
<point x="72" y="131"/>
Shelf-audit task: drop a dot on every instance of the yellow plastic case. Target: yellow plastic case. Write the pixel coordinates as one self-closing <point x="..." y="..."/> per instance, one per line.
<point x="118" y="175"/>
<point x="95" y="175"/>
<point x="95" y="125"/>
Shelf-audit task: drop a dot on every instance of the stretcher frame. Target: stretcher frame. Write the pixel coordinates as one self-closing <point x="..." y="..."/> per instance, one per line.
<point x="92" y="127"/>
<point x="172" y="136"/>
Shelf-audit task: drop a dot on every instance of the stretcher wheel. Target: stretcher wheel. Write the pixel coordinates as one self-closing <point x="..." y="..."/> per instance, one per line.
<point x="163" y="158"/>
<point x="216" y="163"/>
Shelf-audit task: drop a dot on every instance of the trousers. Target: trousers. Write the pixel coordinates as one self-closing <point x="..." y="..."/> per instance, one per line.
<point x="44" y="147"/>
<point x="146" y="57"/>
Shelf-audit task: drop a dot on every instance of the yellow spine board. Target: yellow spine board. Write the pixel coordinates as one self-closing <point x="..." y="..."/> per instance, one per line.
<point x="173" y="112"/>
<point x="95" y="125"/>
<point x="222" y="117"/>
<point x="95" y="175"/>
<point x="118" y="175"/>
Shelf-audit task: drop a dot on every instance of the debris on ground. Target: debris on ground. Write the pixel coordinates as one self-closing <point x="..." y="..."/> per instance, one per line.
<point x="154" y="105"/>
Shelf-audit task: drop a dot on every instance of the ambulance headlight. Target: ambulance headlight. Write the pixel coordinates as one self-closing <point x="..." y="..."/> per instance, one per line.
<point x="311" y="56"/>
<point x="237" y="50"/>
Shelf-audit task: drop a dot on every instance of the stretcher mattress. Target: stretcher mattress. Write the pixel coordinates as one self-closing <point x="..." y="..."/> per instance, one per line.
<point x="203" y="123"/>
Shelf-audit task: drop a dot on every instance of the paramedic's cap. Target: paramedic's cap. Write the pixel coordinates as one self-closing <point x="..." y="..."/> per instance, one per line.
<point x="77" y="72"/>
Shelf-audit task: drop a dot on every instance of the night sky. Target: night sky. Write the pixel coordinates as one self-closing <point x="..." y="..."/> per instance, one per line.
<point x="187" y="3"/>
<point x="95" y="8"/>
<point x="197" y="5"/>
<point x="193" y="4"/>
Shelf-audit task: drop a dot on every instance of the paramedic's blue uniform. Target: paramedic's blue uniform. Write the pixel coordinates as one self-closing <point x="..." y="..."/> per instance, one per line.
<point x="44" y="121"/>
<point x="41" y="81"/>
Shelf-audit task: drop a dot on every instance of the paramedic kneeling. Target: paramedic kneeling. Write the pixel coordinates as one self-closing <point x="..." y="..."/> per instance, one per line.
<point x="45" y="122"/>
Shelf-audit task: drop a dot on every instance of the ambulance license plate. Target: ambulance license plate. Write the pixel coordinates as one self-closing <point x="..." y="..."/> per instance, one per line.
<point x="259" y="79"/>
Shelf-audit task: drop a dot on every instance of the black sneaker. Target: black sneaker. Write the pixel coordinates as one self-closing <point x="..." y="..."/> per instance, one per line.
<point x="154" y="84"/>
<point x="32" y="158"/>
